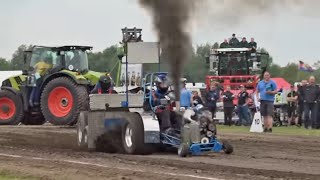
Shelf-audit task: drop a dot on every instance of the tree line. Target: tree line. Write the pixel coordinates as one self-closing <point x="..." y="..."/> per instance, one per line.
<point x="195" y="69"/>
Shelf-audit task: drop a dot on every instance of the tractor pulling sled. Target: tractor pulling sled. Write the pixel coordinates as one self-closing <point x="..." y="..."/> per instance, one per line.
<point x="127" y="123"/>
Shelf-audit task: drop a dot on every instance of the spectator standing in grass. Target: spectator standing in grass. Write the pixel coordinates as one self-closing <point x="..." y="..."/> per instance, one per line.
<point x="266" y="90"/>
<point x="292" y="98"/>
<point x="243" y="109"/>
<point x="228" y="106"/>
<point x="211" y="98"/>
<point x="300" y="101"/>
<point x="310" y="95"/>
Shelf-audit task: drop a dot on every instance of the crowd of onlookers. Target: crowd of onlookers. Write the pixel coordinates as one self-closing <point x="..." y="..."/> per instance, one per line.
<point x="234" y="42"/>
<point x="303" y="103"/>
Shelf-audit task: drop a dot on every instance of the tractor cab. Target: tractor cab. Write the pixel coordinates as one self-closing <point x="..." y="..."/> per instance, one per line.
<point x="234" y="61"/>
<point x="55" y="59"/>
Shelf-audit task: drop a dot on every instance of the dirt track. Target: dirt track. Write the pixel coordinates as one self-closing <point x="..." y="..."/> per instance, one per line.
<point x="48" y="152"/>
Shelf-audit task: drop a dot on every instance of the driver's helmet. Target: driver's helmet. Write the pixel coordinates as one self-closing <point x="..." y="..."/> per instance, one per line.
<point x="162" y="83"/>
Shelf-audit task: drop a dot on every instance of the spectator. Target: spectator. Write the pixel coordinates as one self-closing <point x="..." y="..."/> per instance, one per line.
<point x="234" y="42"/>
<point x="253" y="44"/>
<point x="300" y="101"/>
<point x="243" y="109"/>
<point x="212" y="97"/>
<point x="310" y="97"/>
<point x="244" y="43"/>
<point x="185" y="96"/>
<point x="225" y="44"/>
<point x="197" y="98"/>
<point x="228" y="106"/>
<point x="267" y="89"/>
<point x="292" y="98"/>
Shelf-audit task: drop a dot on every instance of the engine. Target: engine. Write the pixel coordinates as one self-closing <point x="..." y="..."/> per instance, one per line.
<point x="206" y="124"/>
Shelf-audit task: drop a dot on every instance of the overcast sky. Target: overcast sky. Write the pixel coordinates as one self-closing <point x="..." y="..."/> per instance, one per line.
<point x="287" y="36"/>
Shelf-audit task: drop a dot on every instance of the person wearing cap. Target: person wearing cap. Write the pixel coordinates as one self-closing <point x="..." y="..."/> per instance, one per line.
<point x="244" y="43"/>
<point x="243" y="109"/>
<point x="292" y="99"/>
<point x="185" y="95"/>
<point x="234" y="42"/>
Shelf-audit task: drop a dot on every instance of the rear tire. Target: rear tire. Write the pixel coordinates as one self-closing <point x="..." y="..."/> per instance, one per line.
<point x="82" y="130"/>
<point x="11" y="108"/>
<point x="62" y="100"/>
<point x="133" y="135"/>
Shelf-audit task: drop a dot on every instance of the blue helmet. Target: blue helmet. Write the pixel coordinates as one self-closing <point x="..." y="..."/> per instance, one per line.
<point x="162" y="82"/>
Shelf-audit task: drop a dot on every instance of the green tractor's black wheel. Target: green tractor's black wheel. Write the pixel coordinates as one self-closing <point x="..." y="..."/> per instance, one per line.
<point x="62" y="100"/>
<point x="33" y="119"/>
<point x="11" y="108"/>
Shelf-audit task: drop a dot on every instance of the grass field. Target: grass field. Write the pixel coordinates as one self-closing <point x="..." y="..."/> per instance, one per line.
<point x="11" y="176"/>
<point x="292" y="130"/>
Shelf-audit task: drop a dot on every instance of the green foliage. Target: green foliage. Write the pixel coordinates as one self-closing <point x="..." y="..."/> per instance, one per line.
<point x="105" y="61"/>
<point x="195" y="69"/>
<point x="4" y="64"/>
<point x="17" y="57"/>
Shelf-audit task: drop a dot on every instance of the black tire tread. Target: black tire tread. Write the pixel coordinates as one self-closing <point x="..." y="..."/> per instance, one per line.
<point x="18" y="102"/>
<point x="82" y="100"/>
<point x="136" y="122"/>
<point x="227" y="147"/>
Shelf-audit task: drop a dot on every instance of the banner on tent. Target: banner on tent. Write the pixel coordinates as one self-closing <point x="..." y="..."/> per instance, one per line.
<point x="134" y="75"/>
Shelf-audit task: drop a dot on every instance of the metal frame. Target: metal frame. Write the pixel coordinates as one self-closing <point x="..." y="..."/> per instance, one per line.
<point x="150" y="83"/>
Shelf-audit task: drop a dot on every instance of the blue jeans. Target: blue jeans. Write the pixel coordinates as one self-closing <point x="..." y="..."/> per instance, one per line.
<point x="310" y="122"/>
<point x="243" y="112"/>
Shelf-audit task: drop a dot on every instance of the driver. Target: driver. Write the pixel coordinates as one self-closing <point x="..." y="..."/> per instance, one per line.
<point x="41" y="68"/>
<point x="162" y="89"/>
<point x="103" y="86"/>
<point x="167" y="118"/>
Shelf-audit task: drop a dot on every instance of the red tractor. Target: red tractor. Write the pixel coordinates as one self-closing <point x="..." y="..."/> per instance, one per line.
<point x="234" y="67"/>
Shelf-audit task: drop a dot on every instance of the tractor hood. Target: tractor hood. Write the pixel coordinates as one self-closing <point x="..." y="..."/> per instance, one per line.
<point x="93" y="76"/>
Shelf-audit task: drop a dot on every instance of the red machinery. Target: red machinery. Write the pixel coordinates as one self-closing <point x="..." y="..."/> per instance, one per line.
<point x="234" y="67"/>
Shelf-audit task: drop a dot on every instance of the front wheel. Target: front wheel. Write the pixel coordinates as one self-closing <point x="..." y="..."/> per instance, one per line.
<point x="227" y="148"/>
<point x="183" y="150"/>
<point x="11" y="108"/>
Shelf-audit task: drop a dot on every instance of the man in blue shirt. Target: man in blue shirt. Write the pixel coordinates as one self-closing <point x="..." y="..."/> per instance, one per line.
<point x="267" y="89"/>
<point x="185" y="96"/>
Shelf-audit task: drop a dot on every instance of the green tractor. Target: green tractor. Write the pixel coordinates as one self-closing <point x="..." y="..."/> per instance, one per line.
<point x="53" y="87"/>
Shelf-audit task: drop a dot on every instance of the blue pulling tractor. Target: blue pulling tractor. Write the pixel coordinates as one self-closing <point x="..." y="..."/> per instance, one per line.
<point x="129" y="123"/>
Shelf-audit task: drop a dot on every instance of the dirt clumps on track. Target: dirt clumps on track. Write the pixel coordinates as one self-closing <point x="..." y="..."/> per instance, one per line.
<point x="49" y="152"/>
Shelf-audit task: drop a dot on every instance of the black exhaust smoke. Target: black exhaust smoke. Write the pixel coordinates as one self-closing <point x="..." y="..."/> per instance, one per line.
<point x="170" y="20"/>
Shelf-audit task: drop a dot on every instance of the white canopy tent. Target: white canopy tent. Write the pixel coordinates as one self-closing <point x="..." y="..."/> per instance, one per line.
<point x="6" y="74"/>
